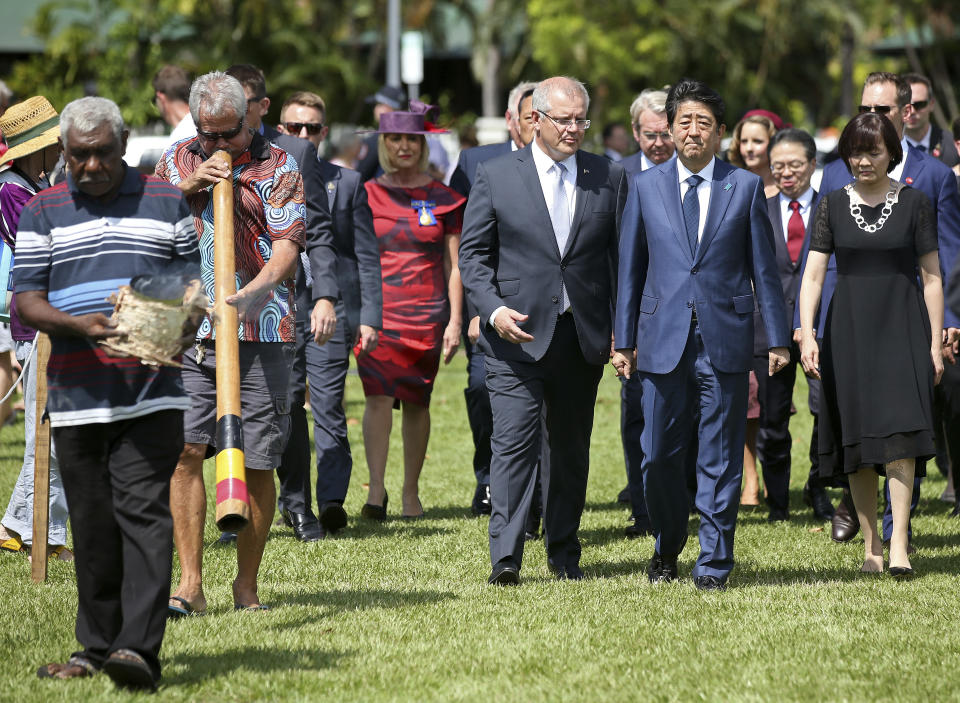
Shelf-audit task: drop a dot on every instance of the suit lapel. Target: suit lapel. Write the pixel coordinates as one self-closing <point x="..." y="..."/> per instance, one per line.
<point x="776" y="221"/>
<point x="668" y="184"/>
<point x="331" y="182"/>
<point x="584" y="193"/>
<point x="914" y="166"/>
<point x="531" y="179"/>
<point x="721" y="192"/>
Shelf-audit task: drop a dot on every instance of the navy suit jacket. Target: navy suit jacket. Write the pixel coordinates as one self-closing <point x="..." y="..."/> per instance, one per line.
<point x="509" y="254"/>
<point x="358" y="255"/>
<point x="661" y="280"/>
<point x="320" y="246"/>
<point x="925" y="173"/>
<point x="466" y="171"/>
<point x="633" y="164"/>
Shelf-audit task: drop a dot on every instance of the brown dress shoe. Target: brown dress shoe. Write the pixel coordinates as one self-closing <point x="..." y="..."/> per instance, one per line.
<point x="844" y="524"/>
<point x="75" y="667"/>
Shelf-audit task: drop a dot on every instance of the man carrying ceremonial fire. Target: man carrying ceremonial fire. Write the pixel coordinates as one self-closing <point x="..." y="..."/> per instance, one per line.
<point x="269" y="219"/>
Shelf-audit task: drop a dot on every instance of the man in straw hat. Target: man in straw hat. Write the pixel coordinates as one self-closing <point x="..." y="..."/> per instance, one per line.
<point x="31" y="129"/>
<point x="118" y="423"/>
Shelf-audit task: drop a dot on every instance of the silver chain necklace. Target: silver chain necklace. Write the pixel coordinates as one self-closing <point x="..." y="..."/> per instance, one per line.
<point x="884" y="213"/>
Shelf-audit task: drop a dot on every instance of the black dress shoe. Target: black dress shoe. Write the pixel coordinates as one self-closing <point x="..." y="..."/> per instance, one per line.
<point x="638" y="527"/>
<point x="569" y="573"/>
<point x="481" y="500"/>
<point x="504" y="574"/>
<point x="661" y="569"/>
<point x="817" y="499"/>
<point x="845" y="524"/>
<point x="709" y="583"/>
<point x="306" y="528"/>
<point x="227" y="538"/>
<point x="777" y="515"/>
<point x="332" y="517"/>
<point x="375" y="512"/>
<point x="624" y="495"/>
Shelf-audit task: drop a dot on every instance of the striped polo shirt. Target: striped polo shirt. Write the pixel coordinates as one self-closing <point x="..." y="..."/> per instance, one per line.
<point x="80" y="251"/>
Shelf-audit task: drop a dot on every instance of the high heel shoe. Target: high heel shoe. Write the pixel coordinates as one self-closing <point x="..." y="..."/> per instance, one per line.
<point x="375" y="512"/>
<point x="901" y="573"/>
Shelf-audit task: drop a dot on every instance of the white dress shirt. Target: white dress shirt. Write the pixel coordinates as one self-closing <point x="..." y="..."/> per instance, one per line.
<point x="185" y="129"/>
<point x="805" y="200"/>
<point x="703" y="190"/>
<point x="897" y="173"/>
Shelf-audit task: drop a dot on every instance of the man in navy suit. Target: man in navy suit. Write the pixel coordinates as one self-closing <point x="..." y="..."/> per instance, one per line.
<point x="695" y="244"/>
<point x="538" y="261"/>
<point x="323" y="358"/>
<point x="891" y="96"/>
<point x="519" y="118"/>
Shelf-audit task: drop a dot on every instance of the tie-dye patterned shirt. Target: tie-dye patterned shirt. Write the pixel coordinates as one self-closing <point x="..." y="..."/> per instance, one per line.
<point x="268" y="206"/>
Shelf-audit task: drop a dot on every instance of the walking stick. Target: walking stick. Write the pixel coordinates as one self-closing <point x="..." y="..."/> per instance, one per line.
<point x="233" y="503"/>
<point x="41" y="467"/>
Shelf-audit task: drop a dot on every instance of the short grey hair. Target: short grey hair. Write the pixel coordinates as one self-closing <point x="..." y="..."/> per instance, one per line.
<point x="514" y="97"/>
<point x="650" y="100"/>
<point x="215" y="92"/>
<point x="570" y="87"/>
<point x="87" y="114"/>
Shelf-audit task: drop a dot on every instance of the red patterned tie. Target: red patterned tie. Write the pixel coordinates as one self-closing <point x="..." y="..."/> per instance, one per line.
<point x="795" y="231"/>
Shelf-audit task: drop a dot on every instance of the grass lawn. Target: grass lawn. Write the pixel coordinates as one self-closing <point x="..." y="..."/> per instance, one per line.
<point x="401" y="611"/>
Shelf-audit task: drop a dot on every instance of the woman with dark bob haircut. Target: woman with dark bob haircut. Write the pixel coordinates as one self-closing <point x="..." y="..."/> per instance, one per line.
<point x="882" y="346"/>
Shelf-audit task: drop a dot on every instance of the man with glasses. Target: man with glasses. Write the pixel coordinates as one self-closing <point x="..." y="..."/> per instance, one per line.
<point x="890" y="95"/>
<point x="270" y="223"/>
<point x="324" y="362"/>
<point x="538" y="262"/>
<point x="650" y="129"/>
<point x="920" y="132"/>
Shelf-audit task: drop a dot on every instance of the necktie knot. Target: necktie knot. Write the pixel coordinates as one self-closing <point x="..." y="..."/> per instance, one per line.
<point x="694" y="180"/>
<point x="561" y="169"/>
<point x="794" y="205"/>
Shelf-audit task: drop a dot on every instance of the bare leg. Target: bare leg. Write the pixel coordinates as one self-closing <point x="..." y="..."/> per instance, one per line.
<point x="377" y="423"/>
<point x="253" y="538"/>
<point x="188" y="503"/>
<point x="863" y="487"/>
<point x="900" y="474"/>
<point x="416" y="434"/>
<point x="751" y="480"/>
<point x="6" y="383"/>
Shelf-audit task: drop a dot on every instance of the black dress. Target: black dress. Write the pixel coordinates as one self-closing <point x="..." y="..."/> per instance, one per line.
<point x="877" y="391"/>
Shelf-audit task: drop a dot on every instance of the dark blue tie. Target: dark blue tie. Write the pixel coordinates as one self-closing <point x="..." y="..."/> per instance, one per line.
<point x="691" y="211"/>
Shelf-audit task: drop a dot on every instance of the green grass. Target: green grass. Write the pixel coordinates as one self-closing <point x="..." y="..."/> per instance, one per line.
<point x="401" y="611"/>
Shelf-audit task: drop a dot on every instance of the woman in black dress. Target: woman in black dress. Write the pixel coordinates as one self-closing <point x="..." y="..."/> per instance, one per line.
<point x="882" y="346"/>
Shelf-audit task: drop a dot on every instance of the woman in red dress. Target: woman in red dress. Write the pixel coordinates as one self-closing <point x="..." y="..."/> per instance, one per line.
<point x="417" y="221"/>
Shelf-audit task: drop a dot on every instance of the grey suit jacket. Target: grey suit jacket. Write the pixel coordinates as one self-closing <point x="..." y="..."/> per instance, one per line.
<point x="509" y="254"/>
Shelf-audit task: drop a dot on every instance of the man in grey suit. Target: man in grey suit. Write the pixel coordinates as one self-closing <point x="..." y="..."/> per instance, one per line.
<point x="324" y="362"/>
<point x="538" y="260"/>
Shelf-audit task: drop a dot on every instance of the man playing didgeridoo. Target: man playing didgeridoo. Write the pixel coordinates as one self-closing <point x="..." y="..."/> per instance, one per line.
<point x="269" y="235"/>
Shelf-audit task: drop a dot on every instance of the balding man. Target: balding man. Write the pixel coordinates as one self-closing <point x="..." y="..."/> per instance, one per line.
<point x="538" y="259"/>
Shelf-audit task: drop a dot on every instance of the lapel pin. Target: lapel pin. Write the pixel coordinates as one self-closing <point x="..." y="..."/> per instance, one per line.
<point x="586" y="170"/>
<point x="908" y="180"/>
<point x="727" y="187"/>
<point x="331" y="186"/>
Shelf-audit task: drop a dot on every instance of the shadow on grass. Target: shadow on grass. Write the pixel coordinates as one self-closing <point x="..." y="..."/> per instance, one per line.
<point x="197" y="668"/>
<point x="361" y="599"/>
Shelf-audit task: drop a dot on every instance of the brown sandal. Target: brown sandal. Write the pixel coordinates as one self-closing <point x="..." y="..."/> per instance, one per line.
<point x="76" y="666"/>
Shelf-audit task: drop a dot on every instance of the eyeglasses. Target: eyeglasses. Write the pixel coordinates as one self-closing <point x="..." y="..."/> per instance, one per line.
<point x="567" y="123"/>
<point x="653" y="136"/>
<point x="311" y="127"/>
<point x="880" y="109"/>
<point x="217" y="136"/>
<point x="779" y="167"/>
<point x="920" y="104"/>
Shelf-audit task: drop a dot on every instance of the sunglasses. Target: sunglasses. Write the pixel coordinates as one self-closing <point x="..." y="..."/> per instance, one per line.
<point x="920" y="104"/>
<point x="216" y="136"/>
<point x="311" y="127"/>
<point x="880" y="109"/>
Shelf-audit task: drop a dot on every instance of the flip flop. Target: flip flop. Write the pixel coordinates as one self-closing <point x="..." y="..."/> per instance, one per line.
<point x="185" y="610"/>
<point x="251" y="608"/>
<point x="12" y="545"/>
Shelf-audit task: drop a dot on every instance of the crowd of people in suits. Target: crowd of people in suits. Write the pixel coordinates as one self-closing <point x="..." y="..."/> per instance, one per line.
<point x="705" y="282"/>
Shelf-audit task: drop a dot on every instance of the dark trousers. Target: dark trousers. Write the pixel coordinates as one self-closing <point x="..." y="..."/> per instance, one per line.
<point x="775" y="394"/>
<point x="672" y="402"/>
<point x="566" y="384"/>
<point x="117" y="480"/>
<point x="325" y="367"/>
<point x="479" y="413"/>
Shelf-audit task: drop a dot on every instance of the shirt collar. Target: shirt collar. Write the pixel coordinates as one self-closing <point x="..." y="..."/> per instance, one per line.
<point x="706" y="172"/>
<point x="925" y="141"/>
<point x="544" y="163"/>
<point x="805" y="199"/>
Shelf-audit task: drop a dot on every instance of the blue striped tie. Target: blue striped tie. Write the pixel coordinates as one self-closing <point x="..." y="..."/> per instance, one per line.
<point x="691" y="211"/>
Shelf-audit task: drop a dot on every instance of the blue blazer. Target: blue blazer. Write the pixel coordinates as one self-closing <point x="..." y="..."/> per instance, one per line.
<point x="661" y="280"/>
<point x="466" y="171"/>
<point x="925" y="173"/>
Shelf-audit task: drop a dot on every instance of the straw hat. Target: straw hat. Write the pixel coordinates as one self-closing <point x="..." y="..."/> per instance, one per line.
<point x="29" y="126"/>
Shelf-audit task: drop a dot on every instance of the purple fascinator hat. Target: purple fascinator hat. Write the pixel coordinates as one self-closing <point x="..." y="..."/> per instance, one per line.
<point x="412" y="121"/>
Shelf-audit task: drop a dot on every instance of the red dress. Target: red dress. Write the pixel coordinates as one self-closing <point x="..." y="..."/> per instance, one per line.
<point x="415" y="305"/>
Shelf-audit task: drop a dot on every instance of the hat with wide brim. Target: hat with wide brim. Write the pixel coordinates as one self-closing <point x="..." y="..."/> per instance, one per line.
<point x="29" y="127"/>
<point x="413" y="121"/>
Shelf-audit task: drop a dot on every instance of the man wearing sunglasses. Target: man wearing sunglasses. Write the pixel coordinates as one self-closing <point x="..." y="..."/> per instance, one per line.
<point x="891" y="96"/>
<point x="357" y="317"/>
<point x="918" y="128"/>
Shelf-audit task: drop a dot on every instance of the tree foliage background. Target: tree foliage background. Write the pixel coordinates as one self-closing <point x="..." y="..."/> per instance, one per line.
<point x="804" y="60"/>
